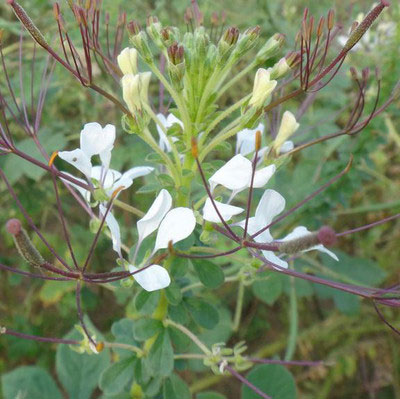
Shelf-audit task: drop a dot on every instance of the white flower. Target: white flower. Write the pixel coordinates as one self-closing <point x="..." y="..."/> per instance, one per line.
<point x="225" y="210"/>
<point x="153" y="278"/>
<point x="94" y="140"/>
<point x="271" y="205"/>
<point x="167" y="122"/>
<point x="236" y="175"/>
<point x="246" y="140"/>
<point x="262" y="88"/>
<point x="287" y="128"/>
<point x="152" y="219"/>
<point x="127" y="61"/>
<point x="177" y="225"/>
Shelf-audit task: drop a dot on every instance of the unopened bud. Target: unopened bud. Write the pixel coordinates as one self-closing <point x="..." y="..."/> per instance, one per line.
<point x="270" y="48"/>
<point x="175" y="54"/>
<point x="263" y="87"/>
<point x="331" y="19"/>
<point x="320" y="27"/>
<point x="135" y="90"/>
<point x="133" y="28"/>
<point x="195" y="150"/>
<point x="258" y="140"/>
<point x="231" y="36"/>
<point x="288" y="126"/>
<point x="280" y="69"/>
<point x="214" y="19"/>
<point x="128" y="61"/>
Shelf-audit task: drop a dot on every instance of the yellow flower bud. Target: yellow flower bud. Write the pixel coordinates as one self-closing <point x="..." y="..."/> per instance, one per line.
<point x="127" y="61"/>
<point x="263" y="87"/>
<point x="135" y="90"/>
<point x="288" y="126"/>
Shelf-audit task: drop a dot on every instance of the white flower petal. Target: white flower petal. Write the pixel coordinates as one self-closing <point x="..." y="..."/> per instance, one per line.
<point x="153" y="278"/>
<point x="262" y="176"/>
<point x="127" y="177"/>
<point x="234" y="175"/>
<point x="286" y="147"/>
<point x="106" y="178"/>
<point x="96" y="140"/>
<point x="271" y="204"/>
<point x="287" y="128"/>
<point x="78" y="159"/>
<point x="226" y="211"/>
<point x="113" y="225"/>
<point x="246" y="140"/>
<point x="271" y="257"/>
<point x="167" y="123"/>
<point x="253" y="227"/>
<point x="177" y="224"/>
<point x="152" y="219"/>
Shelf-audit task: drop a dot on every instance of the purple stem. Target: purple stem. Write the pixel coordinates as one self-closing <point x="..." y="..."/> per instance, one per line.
<point x="41" y="339"/>
<point x="247" y="382"/>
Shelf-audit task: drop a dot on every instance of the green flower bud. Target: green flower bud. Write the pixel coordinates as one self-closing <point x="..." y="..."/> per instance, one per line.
<point x="270" y="48"/>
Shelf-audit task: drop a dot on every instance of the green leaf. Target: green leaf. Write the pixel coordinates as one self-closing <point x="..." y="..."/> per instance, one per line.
<point x="179" y="267"/>
<point x="202" y="312"/>
<point x="52" y="291"/>
<point x="272" y="379"/>
<point x="29" y="382"/>
<point x="116" y="376"/>
<point x="268" y="289"/>
<point x="178" y="313"/>
<point x="79" y="373"/>
<point x="146" y="302"/>
<point x="161" y="356"/>
<point x="174" y="388"/>
<point x="210" y="274"/>
<point x="173" y="294"/>
<point x="146" y="328"/>
<point x="210" y="395"/>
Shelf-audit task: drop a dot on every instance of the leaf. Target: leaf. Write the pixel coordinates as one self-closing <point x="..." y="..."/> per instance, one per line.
<point x="268" y="289"/>
<point x="116" y="376"/>
<point x="123" y="333"/>
<point x="52" y="291"/>
<point x="272" y="379"/>
<point x="29" y="382"/>
<point x="202" y="312"/>
<point x="174" y="388"/>
<point x="161" y="356"/>
<point x="210" y="395"/>
<point x="79" y="373"/>
<point x="210" y="274"/>
<point x="16" y="167"/>
<point x="173" y="294"/>
<point x="146" y="328"/>
<point x="146" y="302"/>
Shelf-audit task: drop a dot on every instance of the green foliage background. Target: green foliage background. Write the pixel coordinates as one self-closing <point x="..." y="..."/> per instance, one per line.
<point x="333" y="326"/>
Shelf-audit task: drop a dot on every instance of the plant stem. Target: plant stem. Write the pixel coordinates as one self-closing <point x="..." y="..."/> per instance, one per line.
<point x="189" y="334"/>
<point x="239" y="307"/>
<point x="293" y="317"/>
<point x="128" y="208"/>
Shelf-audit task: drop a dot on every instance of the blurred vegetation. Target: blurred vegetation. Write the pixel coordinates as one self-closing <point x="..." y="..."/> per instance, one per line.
<point x="363" y="352"/>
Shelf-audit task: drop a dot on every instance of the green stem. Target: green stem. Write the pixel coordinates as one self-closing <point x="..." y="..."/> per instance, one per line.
<point x="293" y="329"/>
<point x="128" y="347"/>
<point x="128" y="208"/>
<point x="239" y="307"/>
<point x="219" y="139"/>
<point x="148" y="138"/>
<point x="221" y="117"/>
<point x="190" y="335"/>
<point x="171" y="143"/>
<point x="236" y="78"/>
